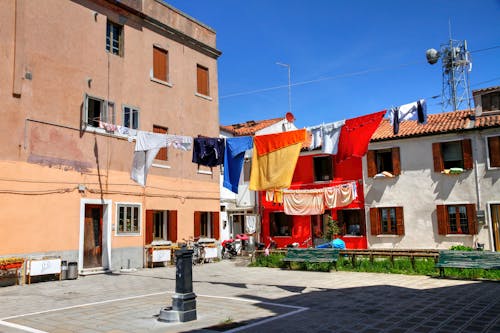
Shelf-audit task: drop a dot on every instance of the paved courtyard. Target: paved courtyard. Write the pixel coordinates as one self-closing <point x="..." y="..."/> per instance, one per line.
<point x="235" y="298"/>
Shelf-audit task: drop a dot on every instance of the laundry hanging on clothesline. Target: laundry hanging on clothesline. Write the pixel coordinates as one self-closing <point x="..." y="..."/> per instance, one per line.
<point x="411" y="111"/>
<point x="147" y="146"/>
<point x="208" y="151"/>
<point x="356" y="134"/>
<point x="326" y="136"/>
<point x="315" y="201"/>
<point x="233" y="160"/>
<point x="274" y="159"/>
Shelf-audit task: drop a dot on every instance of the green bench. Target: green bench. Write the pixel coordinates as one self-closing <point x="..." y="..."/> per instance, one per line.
<point x="312" y="255"/>
<point x="467" y="259"/>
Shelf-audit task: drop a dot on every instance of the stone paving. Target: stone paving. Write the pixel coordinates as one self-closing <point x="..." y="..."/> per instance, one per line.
<point x="235" y="298"/>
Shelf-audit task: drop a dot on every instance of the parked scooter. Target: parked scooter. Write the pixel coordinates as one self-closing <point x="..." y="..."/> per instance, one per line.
<point x="232" y="247"/>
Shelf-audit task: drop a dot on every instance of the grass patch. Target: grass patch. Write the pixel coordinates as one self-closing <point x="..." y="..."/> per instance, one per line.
<point x="400" y="265"/>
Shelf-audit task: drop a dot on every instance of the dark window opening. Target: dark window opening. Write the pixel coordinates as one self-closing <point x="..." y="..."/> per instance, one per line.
<point x="323" y="168"/>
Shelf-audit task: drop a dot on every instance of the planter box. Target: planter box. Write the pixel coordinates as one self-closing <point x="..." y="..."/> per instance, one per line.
<point x="14" y="265"/>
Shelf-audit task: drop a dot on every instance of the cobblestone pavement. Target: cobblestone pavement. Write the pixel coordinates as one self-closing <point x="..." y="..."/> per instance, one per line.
<point x="235" y="298"/>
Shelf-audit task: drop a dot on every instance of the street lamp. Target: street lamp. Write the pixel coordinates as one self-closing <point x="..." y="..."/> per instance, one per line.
<point x="289" y="86"/>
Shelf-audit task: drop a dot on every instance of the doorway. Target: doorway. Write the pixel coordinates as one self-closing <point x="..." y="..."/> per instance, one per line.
<point x="92" y="236"/>
<point x="495" y="223"/>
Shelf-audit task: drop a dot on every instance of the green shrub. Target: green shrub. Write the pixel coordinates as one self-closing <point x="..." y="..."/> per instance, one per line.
<point x="461" y="248"/>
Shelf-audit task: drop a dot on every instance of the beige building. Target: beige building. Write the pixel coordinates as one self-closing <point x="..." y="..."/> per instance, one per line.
<point x="77" y="80"/>
<point x="436" y="185"/>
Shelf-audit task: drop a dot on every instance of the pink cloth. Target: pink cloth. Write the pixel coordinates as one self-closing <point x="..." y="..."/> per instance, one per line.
<point x="303" y="202"/>
<point x="356" y="134"/>
<point x="340" y="195"/>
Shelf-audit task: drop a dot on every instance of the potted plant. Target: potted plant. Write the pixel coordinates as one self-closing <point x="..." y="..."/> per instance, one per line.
<point x="11" y="263"/>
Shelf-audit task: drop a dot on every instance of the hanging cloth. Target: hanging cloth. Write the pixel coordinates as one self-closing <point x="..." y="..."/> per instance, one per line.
<point x="274" y="159"/>
<point x="233" y="160"/>
<point x="147" y="146"/>
<point x="356" y="134"/>
<point x="208" y="151"/>
<point x="326" y="136"/>
<point x="303" y="202"/>
<point x="340" y="195"/>
<point x="412" y="111"/>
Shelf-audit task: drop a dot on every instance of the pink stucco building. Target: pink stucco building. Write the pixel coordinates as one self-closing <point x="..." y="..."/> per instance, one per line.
<point x="69" y="67"/>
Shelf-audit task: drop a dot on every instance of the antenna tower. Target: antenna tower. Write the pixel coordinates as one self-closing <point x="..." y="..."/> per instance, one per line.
<point x="456" y="65"/>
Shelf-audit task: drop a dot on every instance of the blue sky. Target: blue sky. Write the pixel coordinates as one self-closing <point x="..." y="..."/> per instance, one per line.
<point x="347" y="58"/>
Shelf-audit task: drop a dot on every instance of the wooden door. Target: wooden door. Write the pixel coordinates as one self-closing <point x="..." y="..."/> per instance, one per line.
<point x="92" y="244"/>
<point x="495" y="222"/>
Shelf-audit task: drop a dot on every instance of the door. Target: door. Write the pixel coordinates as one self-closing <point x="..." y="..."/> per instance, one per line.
<point x="92" y="241"/>
<point x="495" y="222"/>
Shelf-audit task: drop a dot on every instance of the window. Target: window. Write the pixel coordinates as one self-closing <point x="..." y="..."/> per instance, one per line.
<point x="129" y="219"/>
<point x="160" y="64"/>
<point x="387" y="221"/>
<point x="494" y="151"/>
<point x="457" y="219"/>
<point x="280" y="224"/>
<point x="247" y="166"/>
<point x="162" y="154"/>
<point x="130" y="117"/>
<point x="323" y="168"/>
<point x="352" y="221"/>
<point x="161" y="225"/>
<point x="96" y="110"/>
<point x="202" y="80"/>
<point x="383" y="160"/>
<point x="206" y="224"/>
<point x="452" y="154"/>
<point x="491" y="101"/>
<point x="114" y="38"/>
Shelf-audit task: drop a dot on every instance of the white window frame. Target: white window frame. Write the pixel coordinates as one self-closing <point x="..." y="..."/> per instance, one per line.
<point x="106" y="106"/>
<point x="488" y="162"/>
<point x="120" y="205"/>
<point x="131" y="121"/>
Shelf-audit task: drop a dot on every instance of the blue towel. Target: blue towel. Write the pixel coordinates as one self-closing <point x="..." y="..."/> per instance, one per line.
<point x="233" y="160"/>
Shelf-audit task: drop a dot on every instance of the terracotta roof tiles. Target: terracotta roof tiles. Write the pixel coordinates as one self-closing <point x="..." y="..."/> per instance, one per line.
<point x="249" y="127"/>
<point x="436" y="123"/>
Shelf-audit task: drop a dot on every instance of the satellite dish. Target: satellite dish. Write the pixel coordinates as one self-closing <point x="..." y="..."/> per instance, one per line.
<point x="289" y="117"/>
<point x="432" y="56"/>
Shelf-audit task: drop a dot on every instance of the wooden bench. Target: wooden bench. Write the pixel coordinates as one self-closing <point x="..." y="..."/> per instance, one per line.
<point x="312" y="255"/>
<point x="467" y="259"/>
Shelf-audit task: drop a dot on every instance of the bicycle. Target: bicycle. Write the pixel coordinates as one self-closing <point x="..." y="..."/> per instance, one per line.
<point x="198" y="250"/>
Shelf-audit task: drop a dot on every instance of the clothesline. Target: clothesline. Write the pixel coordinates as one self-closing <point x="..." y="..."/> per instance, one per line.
<point x="332" y="182"/>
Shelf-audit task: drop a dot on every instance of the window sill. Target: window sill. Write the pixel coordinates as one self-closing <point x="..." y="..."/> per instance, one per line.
<point x="161" y="166"/>
<point x="121" y="234"/>
<point x="203" y="172"/>
<point x="384" y="174"/>
<point x="165" y="83"/>
<point x="453" y="171"/>
<point x="389" y="236"/>
<point x="457" y="235"/>
<point x="208" y="98"/>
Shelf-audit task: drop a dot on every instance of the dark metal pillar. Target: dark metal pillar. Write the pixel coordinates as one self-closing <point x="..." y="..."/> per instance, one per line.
<point x="184" y="300"/>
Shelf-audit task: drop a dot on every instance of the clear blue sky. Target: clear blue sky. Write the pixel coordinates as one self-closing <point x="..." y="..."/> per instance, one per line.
<point x="328" y="42"/>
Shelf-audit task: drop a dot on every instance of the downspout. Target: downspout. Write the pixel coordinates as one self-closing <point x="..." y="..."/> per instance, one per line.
<point x="476" y="178"/>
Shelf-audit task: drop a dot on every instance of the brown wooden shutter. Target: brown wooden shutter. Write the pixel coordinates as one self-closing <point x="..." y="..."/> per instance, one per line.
<point x="442" y="219"/>
<point x="494" y="150"/>
<point x="400" y="225"/>
<point x="374" y="221"/>
<point x="149" y="226"/>
<point x="172" y="226"/>
<point x="467" y="153"/>
<point x="160" y="64"/>
<point x="197" y="224"/>
<point x="215" y="225"/>
<point x="472" y="218"/>
<point x="202" y="80"/>
<point x="396" y="164"/>
<point x="438" y="157"/>
<point x="163" y="153"/>
<point x="371" y="162"/>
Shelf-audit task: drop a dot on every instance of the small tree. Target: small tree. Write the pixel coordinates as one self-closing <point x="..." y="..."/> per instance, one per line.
<point x="333" y="228"/>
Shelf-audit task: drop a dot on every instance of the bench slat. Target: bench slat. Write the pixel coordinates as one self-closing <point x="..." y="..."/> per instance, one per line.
<point x="468" y="259"/>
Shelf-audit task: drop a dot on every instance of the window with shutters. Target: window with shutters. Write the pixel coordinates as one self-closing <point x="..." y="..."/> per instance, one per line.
<point x="129" y="219"/>
<point x="387" y="221"/>
<point x="163" y="153"/>
<point x="493" y="151"/>
<point x="114" y="38"/>
<point x="202" y="86"/>
<point x="130" y="117"/>
<point x="457" y="219"/>
<point x="452" y="155"/>
<point x="383" y="162"/>
<point x="160" y="64"/>
<point x="161" y="225"/>
<point x="206" y="224"/>
<point x="323" y="168"/>
<point x="280" y="224"/>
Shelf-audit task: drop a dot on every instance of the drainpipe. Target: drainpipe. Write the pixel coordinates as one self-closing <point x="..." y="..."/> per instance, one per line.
<point x="476" y="178"/>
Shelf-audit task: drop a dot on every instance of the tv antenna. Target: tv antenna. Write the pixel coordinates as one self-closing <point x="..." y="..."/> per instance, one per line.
<point x="456" y="65"/>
